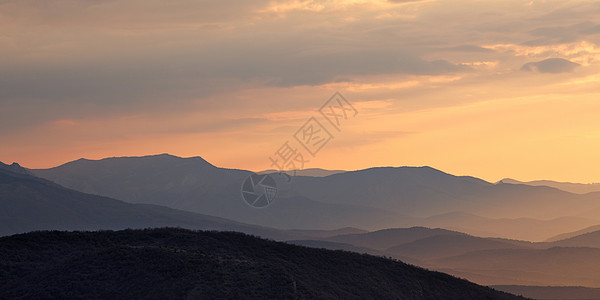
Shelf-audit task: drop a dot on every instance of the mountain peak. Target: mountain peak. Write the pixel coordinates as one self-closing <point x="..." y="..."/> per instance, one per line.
<point x="14" y="167"/>
<point x="161" y="160"/>
<point x="163" y="155"/>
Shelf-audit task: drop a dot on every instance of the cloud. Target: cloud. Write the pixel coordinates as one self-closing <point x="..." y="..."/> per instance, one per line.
<point x="75" y="59"/>
<point x="550" y="65"/>
<point x="71" y="60"/>
<point x="563" y="34"/>
<point x="467" y="48"/>
<point x="591" y="30"/>
<point x="404" y="1"/>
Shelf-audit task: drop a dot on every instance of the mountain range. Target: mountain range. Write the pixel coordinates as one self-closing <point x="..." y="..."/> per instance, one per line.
<point x="32" y="203"/>
<point x="370" y="199"/>
<point x="570" y="262"/>
<point x="577" y="188"/>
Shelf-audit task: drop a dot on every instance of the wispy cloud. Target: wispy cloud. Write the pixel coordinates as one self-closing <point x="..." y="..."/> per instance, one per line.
<point x="159" y="72"/>
<point x="550" y="65"/>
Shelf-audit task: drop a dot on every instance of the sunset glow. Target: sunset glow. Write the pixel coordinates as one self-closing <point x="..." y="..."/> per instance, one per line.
<point x="501" y="89"/>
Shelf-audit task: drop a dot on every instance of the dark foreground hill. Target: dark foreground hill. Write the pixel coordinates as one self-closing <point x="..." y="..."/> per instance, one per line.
<point x="177" y="263"/>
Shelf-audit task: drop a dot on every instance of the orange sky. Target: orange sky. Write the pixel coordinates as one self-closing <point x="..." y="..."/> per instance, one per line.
<point x="497" y="90"/>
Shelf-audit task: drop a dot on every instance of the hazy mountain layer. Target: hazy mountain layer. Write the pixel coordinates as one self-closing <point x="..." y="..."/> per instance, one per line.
<point x="371" y="199"/>
<point x="425" y="191"/>
<point x="195" y="185"/>
<point x="567" y="235"/>
<point x="559" y="266"/>
<point x="30" y="203"/>
<point x="577" y="188"/>
<point x="574" y="261"/>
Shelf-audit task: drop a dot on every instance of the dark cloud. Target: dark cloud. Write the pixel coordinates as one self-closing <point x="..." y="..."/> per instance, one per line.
<point x="199" y="70"/>
<point x="550" y="65"/>
<point x="328" y="68"/>
<point x="590" y="30"/>
<point x="567" y="12"/>
<point x="562" y="34"/>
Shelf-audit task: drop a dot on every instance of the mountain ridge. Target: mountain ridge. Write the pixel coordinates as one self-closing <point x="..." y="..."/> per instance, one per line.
<point x="174" y="263"/>
<point x="374" y="198"/>
<point x="32" y="203"/>
<point x="577" y="188"/>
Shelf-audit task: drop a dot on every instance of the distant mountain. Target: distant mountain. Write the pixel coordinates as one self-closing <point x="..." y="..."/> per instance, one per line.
<point x="420" y="245"/>
<point x="14" y="167"/>
<point x="592" y="213"/>
<point x="518" y="228"/>
<point x="371" y="199"/>
<point x="446" y="245"/>
<point x="177" y="264"/>
<point x="557" y="266"/>
<point x="320" y="244"/>
<point x="30" y="203"/>
<point x="568" y="235"/>
<point x="575" y="261"/>
<point x="590" y="239"/>
<point x="328" y="233"/>
<point x="195" y="185"/>
<point x="576" y="188"/>
<point x="313" y="172"/>
<point x="158" y="179"/>
<point x="425" y="191"/>
<point x="387" y="238"/>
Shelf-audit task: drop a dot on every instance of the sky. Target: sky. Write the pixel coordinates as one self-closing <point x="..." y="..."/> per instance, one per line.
<point x="491" y="89"/>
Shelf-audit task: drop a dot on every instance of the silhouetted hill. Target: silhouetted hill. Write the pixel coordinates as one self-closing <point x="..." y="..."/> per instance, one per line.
<point x="406" y="189"/>
<point x="514" y="228"/>
<point x="486" y="260"/>
<point x="195" y="185"/>
<point x="418" y="245"/>
<point x="558" y="266"/>
<point x="568" y="235"/>
<point x="177" y="264"/>
<point x="371" y="199"/>
<point x="334" y="246"/>
<point x="445" y="245"/>
<point x="30" y="203"/>
<point x="328" y="233"/>
<point x="590" y="239"/>
<point x="387" y="238"/>
<point x="158" y="179"/>
<point x="424" y="191"/>
<point x="577" y="188"/>
<point x="313" y="172"/>
<point x="483" y="260"/>
<point x="15" y="168"/>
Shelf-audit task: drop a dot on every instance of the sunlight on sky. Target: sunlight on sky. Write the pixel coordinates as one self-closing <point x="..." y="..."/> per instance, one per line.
<point x="503" y="89"/>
